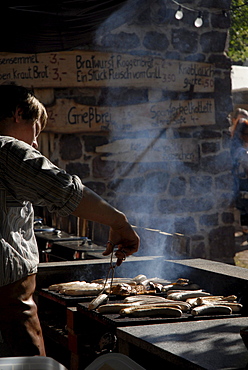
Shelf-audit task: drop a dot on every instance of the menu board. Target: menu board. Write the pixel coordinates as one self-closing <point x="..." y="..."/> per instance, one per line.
<point x="67" y="116"/>
<point x="96" y="69"/>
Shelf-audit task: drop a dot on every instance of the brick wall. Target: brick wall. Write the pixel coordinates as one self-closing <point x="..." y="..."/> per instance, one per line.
<point x="178" y="196"/>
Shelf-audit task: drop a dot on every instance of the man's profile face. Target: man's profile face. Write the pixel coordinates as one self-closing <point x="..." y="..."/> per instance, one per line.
<point x="26" y="130"/>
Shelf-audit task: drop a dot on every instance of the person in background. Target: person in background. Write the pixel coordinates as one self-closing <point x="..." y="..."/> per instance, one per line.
<point x="239" y="153"/>
<point x="28" y="178"/>
<point x="238" y="114"/>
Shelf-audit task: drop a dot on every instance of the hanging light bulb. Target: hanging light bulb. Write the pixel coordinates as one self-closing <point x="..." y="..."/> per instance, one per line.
<point x="199" y="21"/>
<point x="179" y="13"/>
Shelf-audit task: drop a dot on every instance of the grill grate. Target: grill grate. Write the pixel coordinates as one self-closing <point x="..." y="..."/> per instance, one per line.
<point x="117" y="321"/>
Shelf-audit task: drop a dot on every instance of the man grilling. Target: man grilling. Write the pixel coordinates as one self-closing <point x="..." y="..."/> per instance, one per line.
<point x="28" y="178"/>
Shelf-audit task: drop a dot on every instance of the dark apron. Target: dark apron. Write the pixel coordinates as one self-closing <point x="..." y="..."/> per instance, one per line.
<point x="19" y="322"/>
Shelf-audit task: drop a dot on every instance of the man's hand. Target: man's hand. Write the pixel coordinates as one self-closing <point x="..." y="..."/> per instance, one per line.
<point x="126" y="240"/>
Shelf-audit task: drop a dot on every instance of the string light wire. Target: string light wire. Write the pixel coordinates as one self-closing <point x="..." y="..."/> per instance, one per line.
<point x="183" y="6"/>
<point x="224" y="11"/>
<point x="199" y="19"/>
<point x="179" y="13"/>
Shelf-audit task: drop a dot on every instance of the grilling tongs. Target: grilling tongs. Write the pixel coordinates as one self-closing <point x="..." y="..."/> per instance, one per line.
<point x="103" y="297"/>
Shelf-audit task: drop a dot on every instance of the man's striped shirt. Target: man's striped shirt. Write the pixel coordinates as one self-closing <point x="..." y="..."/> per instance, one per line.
<point x="28" y="178"/>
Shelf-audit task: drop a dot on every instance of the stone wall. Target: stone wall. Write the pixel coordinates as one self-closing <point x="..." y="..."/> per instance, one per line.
<point x="177" y="196"/>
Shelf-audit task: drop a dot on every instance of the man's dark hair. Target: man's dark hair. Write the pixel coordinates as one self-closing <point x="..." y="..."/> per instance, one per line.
<point x="13" y="97"/>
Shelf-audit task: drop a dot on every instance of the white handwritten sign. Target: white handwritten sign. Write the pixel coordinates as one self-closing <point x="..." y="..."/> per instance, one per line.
<point x="150" y="150"/>
<point x="89" y="69"/>
<point x="66" y="116"/>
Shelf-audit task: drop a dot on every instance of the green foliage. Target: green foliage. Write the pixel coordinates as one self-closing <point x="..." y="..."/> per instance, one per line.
<point x="238" y="45"/>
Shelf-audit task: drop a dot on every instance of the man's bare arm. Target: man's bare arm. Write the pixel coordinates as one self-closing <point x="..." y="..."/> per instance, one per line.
<point x="92" y="207"/>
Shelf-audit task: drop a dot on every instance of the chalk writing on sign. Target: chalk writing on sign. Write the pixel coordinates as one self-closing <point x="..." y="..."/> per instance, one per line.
<point x="150" y="150"/>
<point x="90" y="69"/>
<point x="67" y="116"/>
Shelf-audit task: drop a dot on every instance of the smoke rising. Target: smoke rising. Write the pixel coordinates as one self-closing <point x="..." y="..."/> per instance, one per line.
<point x="173" y="182"/>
